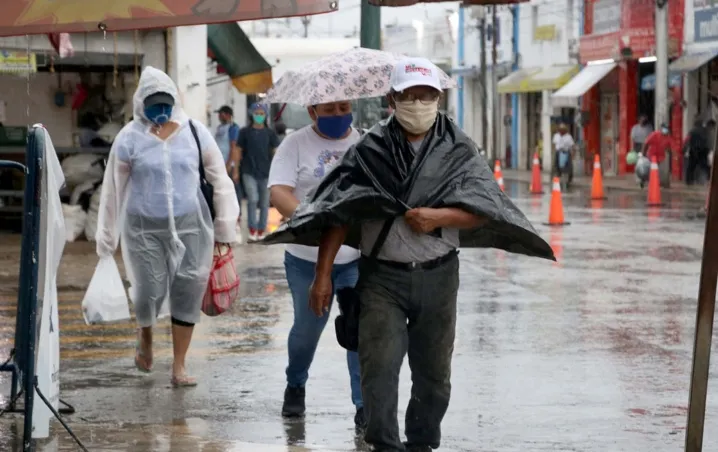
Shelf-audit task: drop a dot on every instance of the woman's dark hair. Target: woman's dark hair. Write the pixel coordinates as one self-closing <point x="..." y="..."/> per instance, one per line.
<point x="280" y="128"/>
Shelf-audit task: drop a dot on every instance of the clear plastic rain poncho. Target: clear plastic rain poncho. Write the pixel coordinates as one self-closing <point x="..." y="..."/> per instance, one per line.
<point x="151" y="199"/>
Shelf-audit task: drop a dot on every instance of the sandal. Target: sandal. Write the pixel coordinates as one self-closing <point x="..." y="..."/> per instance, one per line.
<point x="141" y="360"/>
<point x="183" y="381"/>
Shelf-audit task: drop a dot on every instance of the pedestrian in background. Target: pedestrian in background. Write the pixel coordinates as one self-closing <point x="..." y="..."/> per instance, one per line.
<point x="302" y="161"/>
<point x="658" y="145"/>
<point x="640" y="132"/>
<point x="695" y="153"/>
<point x="151" y="198"/>
<point x="255" y="147"/>
<point x="227" y="135"/>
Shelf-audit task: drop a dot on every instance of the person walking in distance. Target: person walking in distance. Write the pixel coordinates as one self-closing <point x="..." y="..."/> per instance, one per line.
<point x="303" y="159"/>
<point x="226" y="137"/>
<point x="255" y="148"/>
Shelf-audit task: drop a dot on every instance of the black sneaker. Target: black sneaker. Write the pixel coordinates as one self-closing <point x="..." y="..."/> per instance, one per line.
<point x="359" y="418"/>
<point x="294" y="402"/>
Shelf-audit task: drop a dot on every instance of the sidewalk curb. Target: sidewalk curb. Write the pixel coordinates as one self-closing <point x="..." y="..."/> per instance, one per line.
<point x="585" y="182"/>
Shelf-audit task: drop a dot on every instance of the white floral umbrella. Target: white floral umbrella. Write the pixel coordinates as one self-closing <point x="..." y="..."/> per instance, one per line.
<point x="353" y="74"/>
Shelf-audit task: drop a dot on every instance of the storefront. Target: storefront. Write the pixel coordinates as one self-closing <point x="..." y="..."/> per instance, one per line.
<point x="698" y="64"/>
<point x="618" y="49"/>
<point x="536" y="114"/>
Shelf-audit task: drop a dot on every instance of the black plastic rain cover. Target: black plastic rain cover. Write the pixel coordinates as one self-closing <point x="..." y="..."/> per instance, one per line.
<point x="374" y="182"/>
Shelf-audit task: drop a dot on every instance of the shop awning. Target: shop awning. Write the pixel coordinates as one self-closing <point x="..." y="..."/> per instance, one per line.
<point x="234" y="51"/>
<point x="513" y="82"/>
<point x="550" y="78"/>
<point x="589" y="76"/>
<point x="691" y="61"/>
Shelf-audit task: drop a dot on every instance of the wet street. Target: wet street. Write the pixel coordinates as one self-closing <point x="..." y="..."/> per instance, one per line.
<point x="589" y="354"/>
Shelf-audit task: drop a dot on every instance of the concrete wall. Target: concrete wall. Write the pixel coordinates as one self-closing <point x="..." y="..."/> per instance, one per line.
<point x="188" y="68"/>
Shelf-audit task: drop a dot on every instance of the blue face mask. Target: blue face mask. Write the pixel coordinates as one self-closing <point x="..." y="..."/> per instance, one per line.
<point x="259" y="119"/>
<point x="334" y="126"/>
<point x="664" y="131"/>
<point x="159" y="113"/>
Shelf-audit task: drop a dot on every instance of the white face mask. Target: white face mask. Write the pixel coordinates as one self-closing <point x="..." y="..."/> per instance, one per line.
<point x="416" y="117"/>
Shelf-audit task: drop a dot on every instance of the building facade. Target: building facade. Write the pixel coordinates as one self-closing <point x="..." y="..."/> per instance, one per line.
<point x="617" y="83"/>
<point x="537" y="56"/>
<point x="698" y="65"/>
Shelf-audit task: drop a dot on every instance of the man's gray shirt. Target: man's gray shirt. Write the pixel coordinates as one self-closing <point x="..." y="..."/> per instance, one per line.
<point x="404" y="245"/>
<point x="639" y="133"/>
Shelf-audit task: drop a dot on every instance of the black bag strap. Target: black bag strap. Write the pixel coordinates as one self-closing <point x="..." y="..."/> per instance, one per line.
<point x="199" y="150"/>
<point x="381" y="238"/>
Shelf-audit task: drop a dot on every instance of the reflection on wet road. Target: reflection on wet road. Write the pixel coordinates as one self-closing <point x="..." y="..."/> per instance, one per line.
<point x="589" y="354"/>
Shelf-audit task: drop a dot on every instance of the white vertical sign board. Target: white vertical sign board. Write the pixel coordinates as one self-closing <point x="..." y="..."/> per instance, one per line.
<point x="52" y="243"/>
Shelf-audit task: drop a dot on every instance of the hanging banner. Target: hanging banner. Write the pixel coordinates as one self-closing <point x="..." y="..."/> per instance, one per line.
<point x="17" y="62"/>
<point x="52" y="244"/>
<point x="21" y="17"/>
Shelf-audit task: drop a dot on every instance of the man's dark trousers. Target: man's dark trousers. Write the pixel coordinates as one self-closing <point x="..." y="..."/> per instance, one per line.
<point x="404" y="311"/>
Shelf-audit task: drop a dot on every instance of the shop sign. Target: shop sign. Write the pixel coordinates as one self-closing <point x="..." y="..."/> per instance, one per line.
<point x="705" y="21"/>
<point x="17" y="62"/>
<point x="598" y="47"/>
<point x="545" y="33"/>
<point x="606" y="16"/>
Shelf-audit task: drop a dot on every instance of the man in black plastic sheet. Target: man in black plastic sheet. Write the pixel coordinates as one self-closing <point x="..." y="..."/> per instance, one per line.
<point x="416" y="184"/>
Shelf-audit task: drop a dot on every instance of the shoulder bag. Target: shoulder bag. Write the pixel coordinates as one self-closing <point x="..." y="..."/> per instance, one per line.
<point x="347" y="322"/>
<point x="204" y="185"/>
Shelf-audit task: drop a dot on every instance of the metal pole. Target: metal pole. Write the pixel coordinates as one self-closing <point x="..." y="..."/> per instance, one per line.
<point x="495" y="110"/>
<point x="369" y="38"/>
<point x="661" y="98"/>
<point x="704" y="321"/>
<point x="484" y="97"/>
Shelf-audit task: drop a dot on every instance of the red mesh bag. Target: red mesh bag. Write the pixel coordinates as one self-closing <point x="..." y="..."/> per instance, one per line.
<point x="223" y="285"/>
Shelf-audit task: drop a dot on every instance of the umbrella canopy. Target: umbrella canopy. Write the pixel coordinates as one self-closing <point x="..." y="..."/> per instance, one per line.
<point x="353" y="74"/>
<point x="20" y="17"/>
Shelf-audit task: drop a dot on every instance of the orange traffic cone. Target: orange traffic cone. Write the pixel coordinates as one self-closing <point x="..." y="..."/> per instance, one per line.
<point x="654" y="186"/>
<point x="498" y="175"/>
<point x="555" y="215"/>
<point x="536" y="186"/>
<point x="597" y="185"/>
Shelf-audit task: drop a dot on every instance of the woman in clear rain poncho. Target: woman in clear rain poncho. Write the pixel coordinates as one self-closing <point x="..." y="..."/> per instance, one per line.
<point x="151" y="197"/>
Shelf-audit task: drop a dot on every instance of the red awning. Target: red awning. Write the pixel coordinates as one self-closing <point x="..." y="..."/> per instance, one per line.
<point x="20" y="17"/>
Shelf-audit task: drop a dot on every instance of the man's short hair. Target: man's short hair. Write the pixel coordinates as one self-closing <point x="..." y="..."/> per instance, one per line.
<point x="226" y="109"/>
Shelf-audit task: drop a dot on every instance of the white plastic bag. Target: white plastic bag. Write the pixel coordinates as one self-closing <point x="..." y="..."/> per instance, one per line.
<point x="105" y="299"/>
<point x="92" y="215"/>
<point x="75" y="219"/>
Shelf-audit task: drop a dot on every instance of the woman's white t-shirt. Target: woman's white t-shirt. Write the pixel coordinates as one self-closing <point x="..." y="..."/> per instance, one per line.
<point x="302" y="160"/>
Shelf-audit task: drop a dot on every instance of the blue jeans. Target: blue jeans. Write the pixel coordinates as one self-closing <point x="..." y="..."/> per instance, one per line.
<point x="307" y="327"/>
<point x="257" y="197"/>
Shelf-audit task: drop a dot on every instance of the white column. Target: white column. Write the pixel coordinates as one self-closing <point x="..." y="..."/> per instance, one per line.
<point x="188" y="68"/>
<point x="546" y="111"/>
<point x="661" y="92"/>
<point x="522" y="144"/>
<point x="153" y="48"/>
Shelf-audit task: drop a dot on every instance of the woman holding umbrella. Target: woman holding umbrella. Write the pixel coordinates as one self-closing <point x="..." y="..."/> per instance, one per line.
<point x="301" y="162"/>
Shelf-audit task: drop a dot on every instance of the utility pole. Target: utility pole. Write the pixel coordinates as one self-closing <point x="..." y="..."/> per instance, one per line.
<point x="369" y="38"/>
<point x="306" y="20"/>
<point x="494" y="89"/>
<point x="661" y="99"/>
<point x="484" y="96"/>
